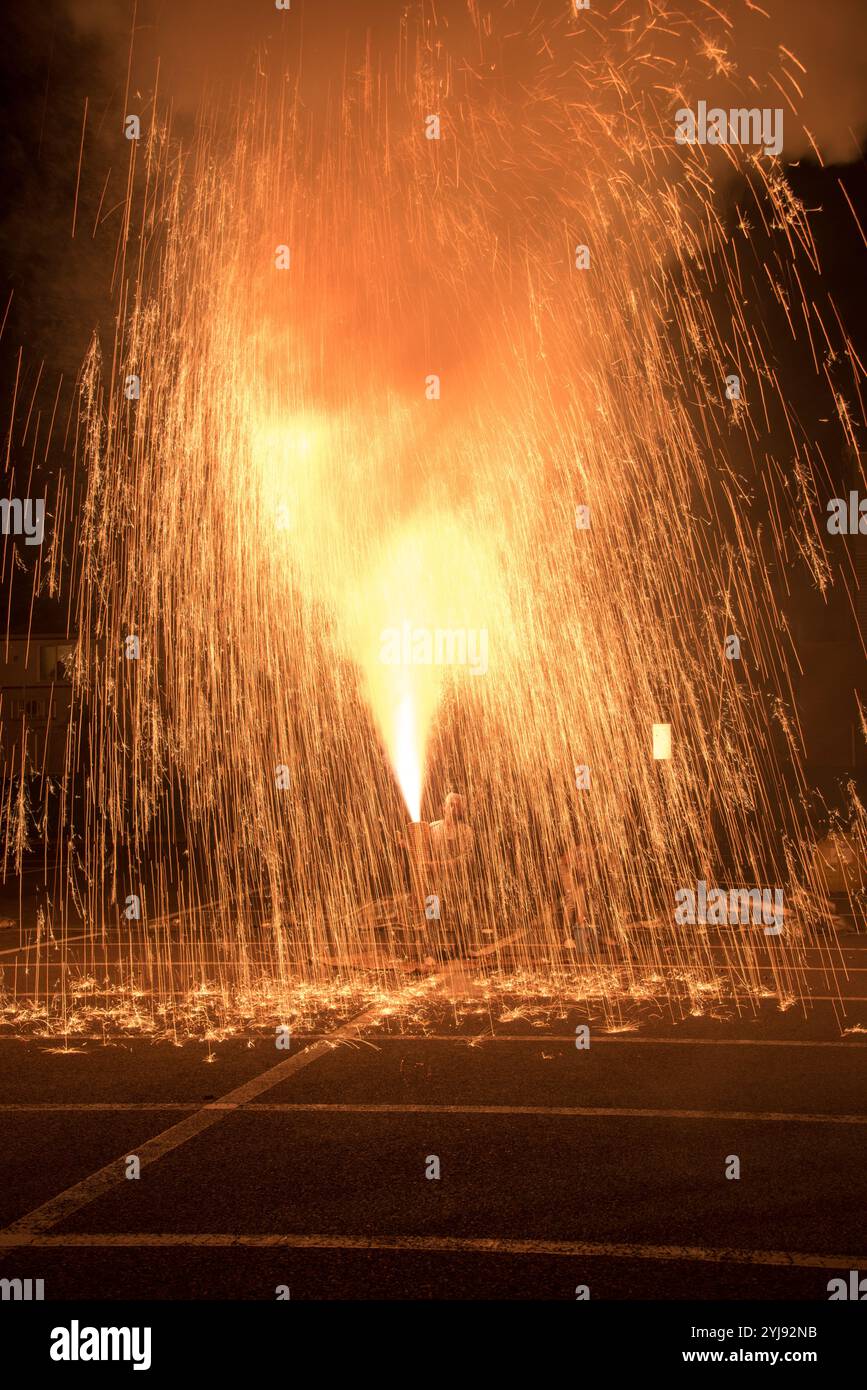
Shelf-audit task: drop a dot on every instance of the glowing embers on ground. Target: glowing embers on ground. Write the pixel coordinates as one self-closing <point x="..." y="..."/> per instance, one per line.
<point x="466" y="995"/>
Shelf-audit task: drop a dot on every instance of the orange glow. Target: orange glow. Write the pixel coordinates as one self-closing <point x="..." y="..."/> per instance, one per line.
<point x="406" y="757"/>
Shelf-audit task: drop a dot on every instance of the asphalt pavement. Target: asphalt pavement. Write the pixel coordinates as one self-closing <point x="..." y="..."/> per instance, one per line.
<point x="475" y="1157"/>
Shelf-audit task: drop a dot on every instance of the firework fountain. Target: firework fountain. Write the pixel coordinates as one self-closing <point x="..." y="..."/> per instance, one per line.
<point x="415" y="495"/>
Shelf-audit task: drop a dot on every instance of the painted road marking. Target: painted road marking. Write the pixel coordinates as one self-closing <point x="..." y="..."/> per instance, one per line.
<point x="628" y="1038"/>
<point x="542" y="1039"/>
<point x="81" y="1194"/>
<point x="19" y="950"/>
<point x="406" y="1108"/>
<point x="571" y="1249"/>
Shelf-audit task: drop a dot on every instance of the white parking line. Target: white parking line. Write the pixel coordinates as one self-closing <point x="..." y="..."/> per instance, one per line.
<point x="624" y="1039"/>
<point x="20" y="950"/>
<point x="474" y="1040"/>
<point x="407" y="1108"/>
<point x="571" y="1249"/>
<point x="81" y="1194"/>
